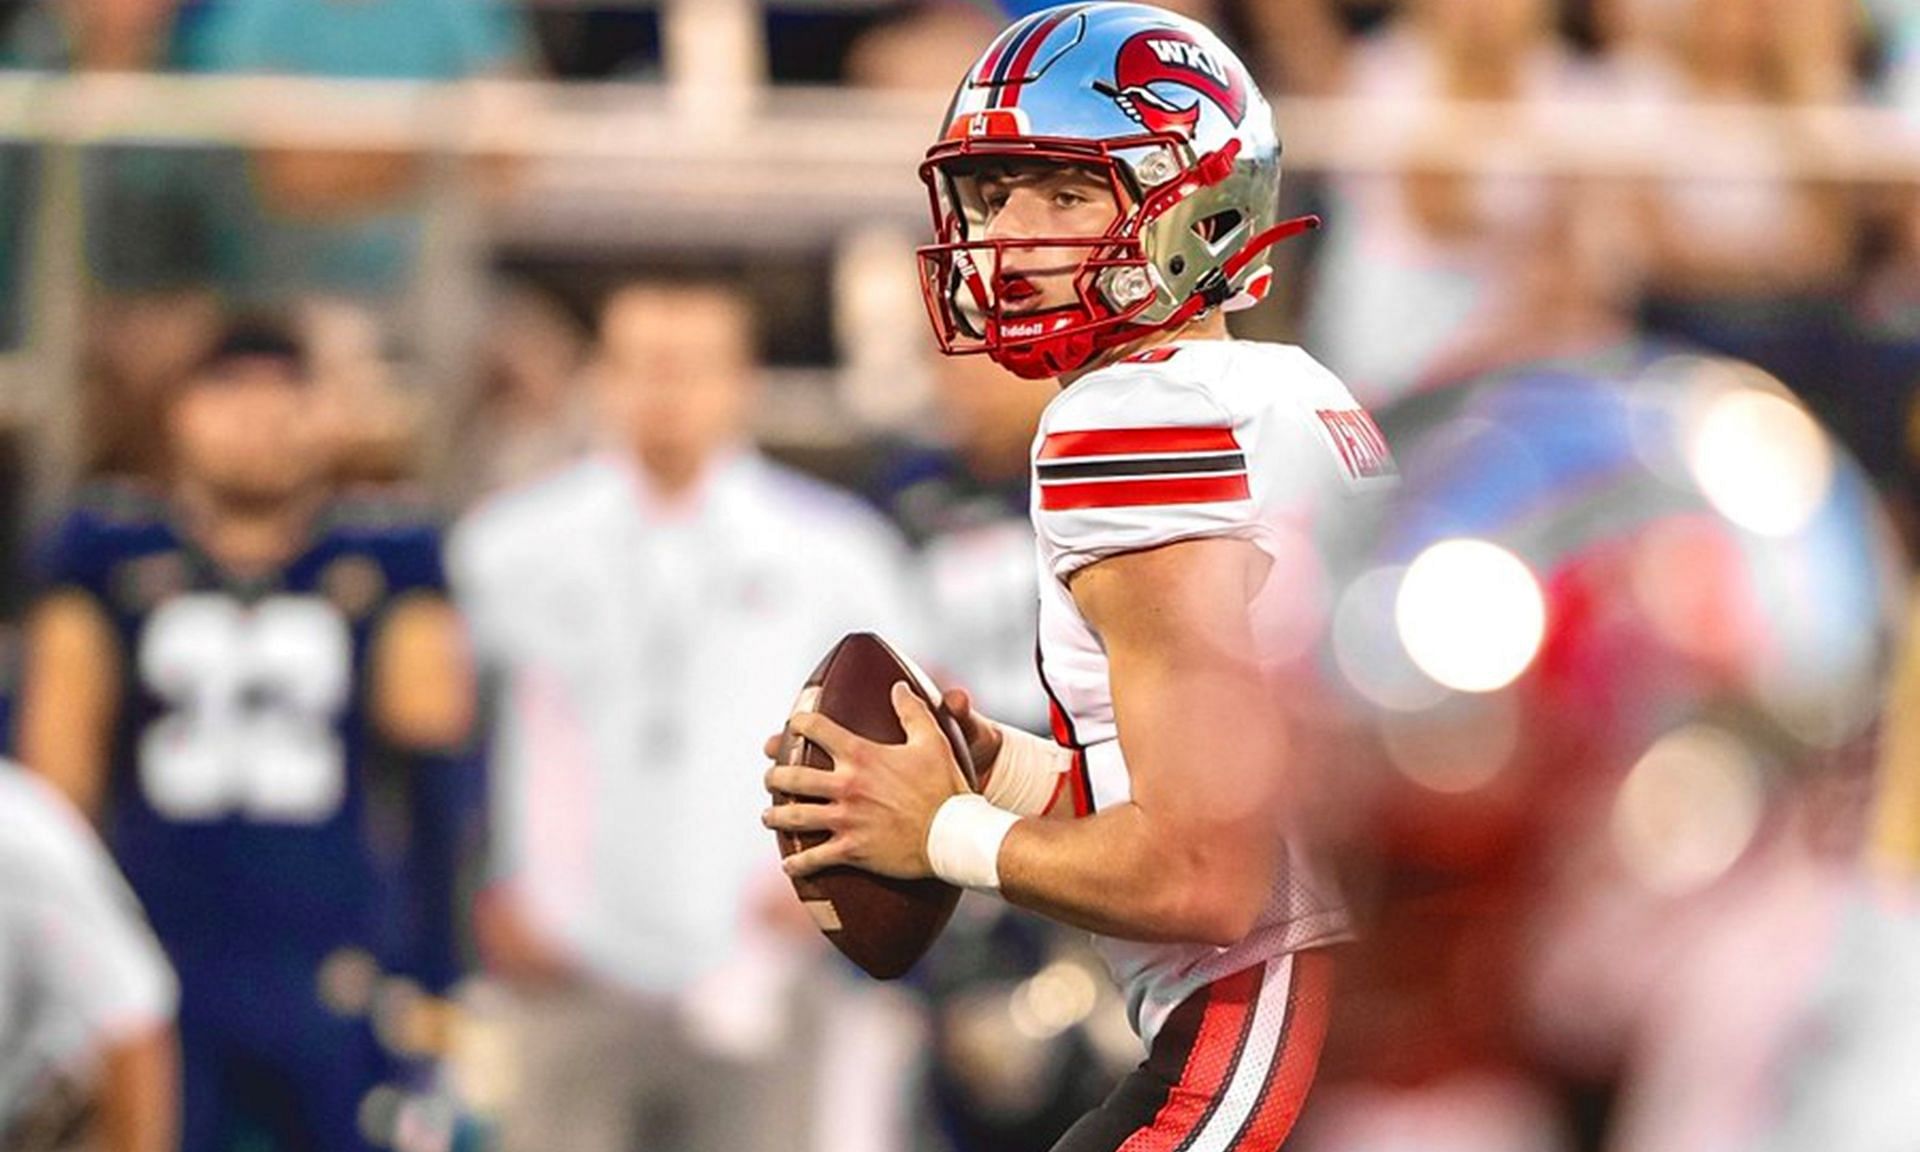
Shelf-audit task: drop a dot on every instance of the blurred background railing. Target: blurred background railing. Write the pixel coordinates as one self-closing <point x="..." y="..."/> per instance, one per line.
<point x="549" y="170"/>
<point x="735" y="132"/>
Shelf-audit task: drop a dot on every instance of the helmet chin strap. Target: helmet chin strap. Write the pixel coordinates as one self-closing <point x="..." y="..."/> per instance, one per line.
<point x="1046" y="359"/>
<point x="1043" y="357"/>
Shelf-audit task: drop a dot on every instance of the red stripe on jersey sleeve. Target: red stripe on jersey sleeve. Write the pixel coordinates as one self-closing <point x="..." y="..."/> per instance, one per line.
<point x="1133" y="441"/>
<point x="1143" y="493"/>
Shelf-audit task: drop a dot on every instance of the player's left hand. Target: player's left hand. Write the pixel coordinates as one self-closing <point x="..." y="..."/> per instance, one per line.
<point x="878" y="800"/>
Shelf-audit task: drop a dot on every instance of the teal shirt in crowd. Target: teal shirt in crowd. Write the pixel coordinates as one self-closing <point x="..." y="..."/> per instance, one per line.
<point x="167" y="217"/>
<point x="371" y="255"/>
<point x="150" y="212"/>
<point x="362" y="39"/>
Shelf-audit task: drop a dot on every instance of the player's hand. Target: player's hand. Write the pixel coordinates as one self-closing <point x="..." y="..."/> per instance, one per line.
<point x="877" y="802"/>
<point x="982" y="734"/>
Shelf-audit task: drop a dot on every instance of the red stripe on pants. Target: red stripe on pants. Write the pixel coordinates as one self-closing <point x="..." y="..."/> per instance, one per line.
<point x="1230" y="1004"/>
<point x="1217" y="1052"/>
<point x="1309" y="1003"/>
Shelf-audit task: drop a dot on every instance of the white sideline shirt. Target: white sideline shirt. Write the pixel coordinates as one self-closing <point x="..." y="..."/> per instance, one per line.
<point x="642" y="653"/>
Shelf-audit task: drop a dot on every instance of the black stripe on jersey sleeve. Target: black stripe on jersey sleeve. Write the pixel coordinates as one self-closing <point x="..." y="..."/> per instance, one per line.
<point x="1150" y="466"/>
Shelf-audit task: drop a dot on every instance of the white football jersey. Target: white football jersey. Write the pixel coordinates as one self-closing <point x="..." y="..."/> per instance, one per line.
<point x="1190" y="440"/>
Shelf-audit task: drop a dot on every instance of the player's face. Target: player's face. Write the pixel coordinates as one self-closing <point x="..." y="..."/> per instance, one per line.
<point x="248" y="431"/>
<point x="1035" y="201"/>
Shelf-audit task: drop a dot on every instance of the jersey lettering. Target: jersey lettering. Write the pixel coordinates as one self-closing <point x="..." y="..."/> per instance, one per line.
<point x="1357" y="442"/>
<point x="253" y="694"/>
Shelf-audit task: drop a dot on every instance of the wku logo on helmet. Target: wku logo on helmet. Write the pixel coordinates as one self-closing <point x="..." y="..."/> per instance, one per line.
<point x="1168" y="56"/>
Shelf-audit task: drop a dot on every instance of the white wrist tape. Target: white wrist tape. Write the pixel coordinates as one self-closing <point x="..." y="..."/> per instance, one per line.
<point x="963" y="842"/>
<point x="1026" y="774"/>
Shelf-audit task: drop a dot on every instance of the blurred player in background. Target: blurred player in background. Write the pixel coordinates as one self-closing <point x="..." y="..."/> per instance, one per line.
<point x="1614" y="658"/>
<point x="86" y="1016"/>
<point x="640" y="613"/>
<point x="1105" y="189"/>
<point x="261" y="694"/>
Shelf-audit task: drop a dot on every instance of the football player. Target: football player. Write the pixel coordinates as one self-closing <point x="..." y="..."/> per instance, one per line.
<point x="86" y="1024"/>
<point x="1103" y="192"/>
<point x="259" y="692"/>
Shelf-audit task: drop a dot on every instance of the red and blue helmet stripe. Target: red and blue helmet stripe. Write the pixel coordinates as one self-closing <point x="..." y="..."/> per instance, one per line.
<point x="1005" y="68"/>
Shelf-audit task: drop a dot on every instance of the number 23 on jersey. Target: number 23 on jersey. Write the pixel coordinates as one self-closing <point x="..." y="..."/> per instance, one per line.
<point x="252" y="695"/>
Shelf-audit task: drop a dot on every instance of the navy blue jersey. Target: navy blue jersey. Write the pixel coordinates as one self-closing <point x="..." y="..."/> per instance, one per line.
<point x="246" y="800"/>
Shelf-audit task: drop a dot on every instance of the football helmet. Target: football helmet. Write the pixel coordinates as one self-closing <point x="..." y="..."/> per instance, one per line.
<point x="1161" y="109"/>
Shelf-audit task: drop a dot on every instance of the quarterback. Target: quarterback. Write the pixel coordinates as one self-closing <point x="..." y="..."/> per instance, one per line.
<point x="1103" y="191"/>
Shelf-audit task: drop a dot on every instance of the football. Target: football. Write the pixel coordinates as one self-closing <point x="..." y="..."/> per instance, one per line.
<point x="881" y="924"/>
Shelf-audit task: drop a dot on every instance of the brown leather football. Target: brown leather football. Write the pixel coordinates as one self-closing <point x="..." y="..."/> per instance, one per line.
<point x="881" y="924"/>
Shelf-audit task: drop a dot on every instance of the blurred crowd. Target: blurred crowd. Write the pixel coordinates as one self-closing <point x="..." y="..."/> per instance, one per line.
<point x="1423" y="276"/>
<point x="640" y="564"/>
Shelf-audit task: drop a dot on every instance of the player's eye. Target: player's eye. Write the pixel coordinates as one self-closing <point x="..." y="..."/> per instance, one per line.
<point x="1068" y="198"/>
<point x="993" y="197"/>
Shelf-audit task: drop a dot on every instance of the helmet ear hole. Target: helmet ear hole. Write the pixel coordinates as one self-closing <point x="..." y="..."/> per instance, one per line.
<point x="1213" y="229"/>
